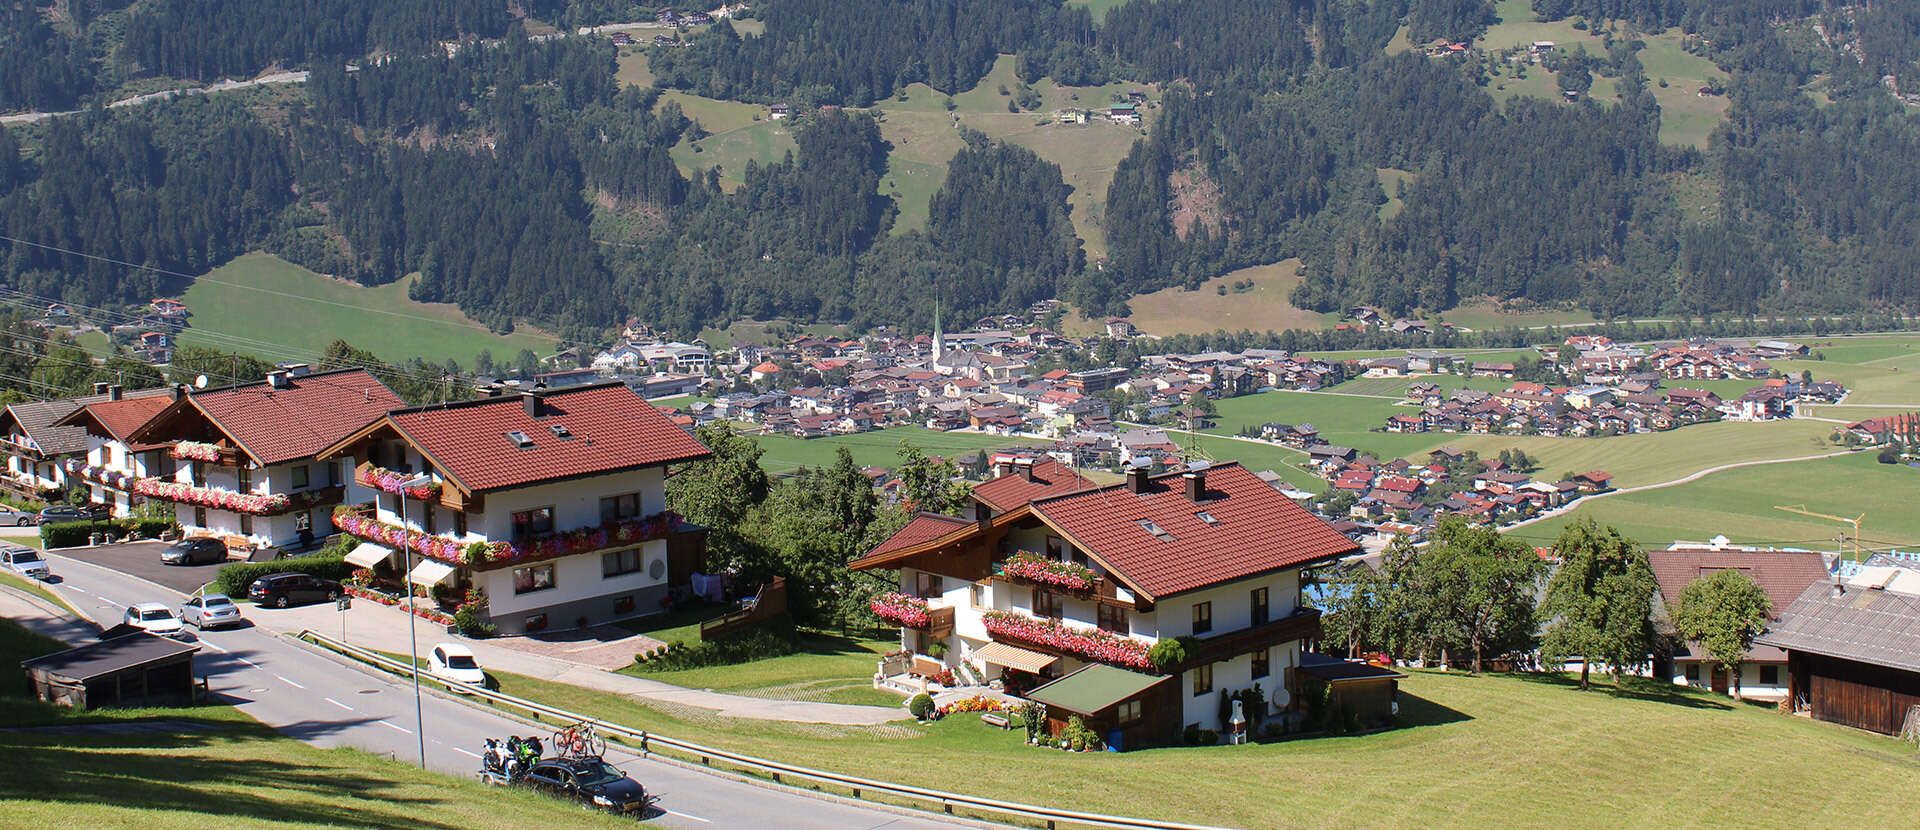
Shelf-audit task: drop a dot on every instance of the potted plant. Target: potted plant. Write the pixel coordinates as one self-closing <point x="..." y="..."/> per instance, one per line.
<point x="937" y="650"/>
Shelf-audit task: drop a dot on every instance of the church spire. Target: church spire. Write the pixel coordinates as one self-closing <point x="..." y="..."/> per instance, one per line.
<point x="939" y="337"/>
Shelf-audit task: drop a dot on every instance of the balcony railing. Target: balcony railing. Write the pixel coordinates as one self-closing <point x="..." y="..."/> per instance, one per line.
<point x="117" y="479"/>
<point x="360" y="521"/>
<point x="1302" y="624"/>
<point x="24" y="449"/>
<point x="205" y="453"/>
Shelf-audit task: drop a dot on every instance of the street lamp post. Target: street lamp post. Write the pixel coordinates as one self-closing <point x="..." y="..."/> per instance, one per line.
<point x="413" y="644"/>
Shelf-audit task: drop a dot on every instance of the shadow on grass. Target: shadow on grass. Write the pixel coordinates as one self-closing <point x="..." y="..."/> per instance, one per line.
<point x="813" y="641"/>
<point x="1633" y="688"/>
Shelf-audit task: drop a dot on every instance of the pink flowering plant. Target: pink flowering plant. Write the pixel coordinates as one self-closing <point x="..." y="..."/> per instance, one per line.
<point x="389" y="481"/>
<point x="1032" y="567"/>
<point x="1088" y="644"/>
<point x="360" y="522"/>
<point x="258" y="504"/>
<point x="901" y="610"/>
<point x="197" y="451"/>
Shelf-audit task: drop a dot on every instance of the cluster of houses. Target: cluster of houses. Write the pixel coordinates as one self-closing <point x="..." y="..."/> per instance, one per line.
<point x="541" y="508"/>
<point x="148" y="335"/>
<point x="1402" y="497"/>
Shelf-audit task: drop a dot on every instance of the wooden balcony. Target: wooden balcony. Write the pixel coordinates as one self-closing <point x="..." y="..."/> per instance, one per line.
<point x="940" y="622"/>
<point x="769" y="602"/>
<point x="1104" y="592"/>
<point x="1300" y="625"/>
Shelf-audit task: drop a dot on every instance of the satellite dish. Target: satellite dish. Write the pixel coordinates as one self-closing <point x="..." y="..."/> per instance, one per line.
<point x="200" y="382"/>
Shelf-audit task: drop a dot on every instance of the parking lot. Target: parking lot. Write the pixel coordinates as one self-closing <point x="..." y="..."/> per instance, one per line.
<point x="142" y="559"/>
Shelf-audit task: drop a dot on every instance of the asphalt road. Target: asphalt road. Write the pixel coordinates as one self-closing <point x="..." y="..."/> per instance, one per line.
<point x="142" y="560"/>
<point x="334" y="703"/>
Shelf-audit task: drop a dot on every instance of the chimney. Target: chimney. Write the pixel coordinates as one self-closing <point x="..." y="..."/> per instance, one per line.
<point x="531" y="400"/>
<point x="1137" y="478"/>
<point x="100" y="387"/>
<point x="1025" y="467"/>
<point x="1839" y="588"/>
<point x="179" y="391"/>
<point x="1196" y="478"/>
<point x="297" y="369"/>
<point x="115" y="392"/>
<point x="277" y="379"/>
<point x="1002" y="465"/>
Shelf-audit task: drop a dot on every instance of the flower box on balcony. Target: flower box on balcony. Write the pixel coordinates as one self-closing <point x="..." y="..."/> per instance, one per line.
<point x="1086" y="644"/>
<point x="901" y="610"/>
<point x="392" y="481"/>
<point x="359" y="521"/>
<point x="1031" y="567"/>
<point x="197" y="451"/>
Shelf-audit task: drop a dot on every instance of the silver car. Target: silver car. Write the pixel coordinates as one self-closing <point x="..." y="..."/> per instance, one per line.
<point x="210" y="611"/>
<point x="17" y="517"/>
<point x="24" y="561"/>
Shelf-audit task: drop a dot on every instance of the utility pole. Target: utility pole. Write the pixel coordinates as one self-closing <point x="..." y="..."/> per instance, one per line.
<point x="1858" y="552"/>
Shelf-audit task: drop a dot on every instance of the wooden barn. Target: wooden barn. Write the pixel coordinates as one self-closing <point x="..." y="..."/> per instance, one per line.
<point x="131" y="669"/>
<point x="1853" y="648"/>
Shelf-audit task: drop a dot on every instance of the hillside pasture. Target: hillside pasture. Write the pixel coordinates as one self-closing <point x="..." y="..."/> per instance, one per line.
<point x="1687" y="118"/>
<point x="1263" y="306"/>
<point x="1391" y="181"/>
<point x="263" y="305"/>
<point x="878" y="448"/>
<point x="1484" y="314"/>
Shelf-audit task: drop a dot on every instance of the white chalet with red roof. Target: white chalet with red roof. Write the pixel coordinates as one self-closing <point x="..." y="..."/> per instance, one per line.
<point x="243" y="462"/>
<point x="1053" y="576"/>
<point x="552" y="503"/>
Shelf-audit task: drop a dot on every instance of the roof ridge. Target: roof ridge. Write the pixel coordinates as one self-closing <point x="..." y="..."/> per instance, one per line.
<point x="235" y="387"/>
<point x="468" y="403"/>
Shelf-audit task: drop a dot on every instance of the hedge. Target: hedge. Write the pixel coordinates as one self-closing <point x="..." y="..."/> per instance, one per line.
<point x="235" y="578"/>
<point x="744" y="647"/>
<point x="74" y="534"/>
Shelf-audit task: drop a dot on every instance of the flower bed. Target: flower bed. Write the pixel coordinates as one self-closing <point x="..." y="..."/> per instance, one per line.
<point x="258" y="504"/>
<point x="197" y="451"/>
<point x="1087" y="644"/>
<point x="388" y="481"/>
<point x="426" y="611"/>
<point x="360" y="523"/>
<point x="977" y="703"/>
<point x="901" y="610"/>
<point x="1032" y="567"/>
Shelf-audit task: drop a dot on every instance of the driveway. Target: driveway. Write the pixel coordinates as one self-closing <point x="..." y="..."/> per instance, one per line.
<point x="142" y="559"/>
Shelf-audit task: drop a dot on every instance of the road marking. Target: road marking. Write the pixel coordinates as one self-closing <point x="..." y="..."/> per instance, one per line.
<point x="391" y="725"/>
<point x="75" y="589"/>
<point x="249" y="662"/>
<point x="685" y="815"/>
<point x="209" y="644"/>
<point x="283" y="679"/>
<point x="338" y="703"/>
<point x="466" y="752"/>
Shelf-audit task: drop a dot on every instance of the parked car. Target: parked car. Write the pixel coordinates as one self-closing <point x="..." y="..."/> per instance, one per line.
<point x="25" y="561"/>
<point x="69" y="513"/>
<point x="590" y="781"/>
<point x="284" y="589"/>
<point x="154" y="618"/>
<point x="210" y="611"/>
<point x="194" y="552"/>
<point x="15" y="516"/>
<point x="454" y="662"/>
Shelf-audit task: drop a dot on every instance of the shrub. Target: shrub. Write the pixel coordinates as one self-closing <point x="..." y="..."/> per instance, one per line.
<point x="234" y="579"/>
<point x="1167" y="654"/>
<point x="1200" y="737"/>
<point x="921" y="705"/>
<point x="1889" y="455"/>
<point x="1078" y="737"/>
<point x="745" y="647"/>
<point x="72" y="534"/>
<point x="468" y="619"/>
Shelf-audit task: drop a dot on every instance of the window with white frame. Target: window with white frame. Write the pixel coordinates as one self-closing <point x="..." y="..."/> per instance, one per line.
<point x="533" y="578"/>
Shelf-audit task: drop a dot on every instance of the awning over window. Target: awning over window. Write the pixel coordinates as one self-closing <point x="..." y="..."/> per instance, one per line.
<point x="1001" y="654"/>
<point x="367" y="555"/>
<point x="430" y="573"/>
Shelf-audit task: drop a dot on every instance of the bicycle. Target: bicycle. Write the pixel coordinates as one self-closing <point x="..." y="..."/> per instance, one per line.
<point x="580" y="739"/>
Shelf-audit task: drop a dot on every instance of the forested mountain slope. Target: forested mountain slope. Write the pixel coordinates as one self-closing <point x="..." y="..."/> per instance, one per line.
<point x="523" y="183"/>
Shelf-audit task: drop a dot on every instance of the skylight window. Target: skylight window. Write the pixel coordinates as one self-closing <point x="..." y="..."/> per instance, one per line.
<point x="1154" y="528"/>
<point x="560" y="431"/>
<point x="520" y="439"/>
<point x="1206" y="517"/>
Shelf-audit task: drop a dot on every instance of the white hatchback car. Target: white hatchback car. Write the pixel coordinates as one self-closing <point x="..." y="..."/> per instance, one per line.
<point x="454" y="662"/>
<point x="154" y="618"/>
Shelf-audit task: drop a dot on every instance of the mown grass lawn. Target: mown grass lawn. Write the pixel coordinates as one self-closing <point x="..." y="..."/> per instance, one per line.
<point x="1264" y="306"/>
<point x="1495" y="751"/>
<point x="1740" y="504"/>
<point x="23" y="584"/>
<point x="830" y="668"/>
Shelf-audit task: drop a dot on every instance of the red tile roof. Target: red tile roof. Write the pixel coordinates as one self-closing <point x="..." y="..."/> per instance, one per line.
<point x="122" y="417"/>
<point x="925" y="527"/>
<point x="1050" y="478"/>
<point x="612" y="429"/>
<point x="1782" y="574"/>
<point x="1257" y="530"/>
<point x="299" y="420"/>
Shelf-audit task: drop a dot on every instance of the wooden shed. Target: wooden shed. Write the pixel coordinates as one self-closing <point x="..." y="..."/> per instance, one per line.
<point x="132" y="669"/>
<point x="1853" y="647"/>
<point x="1127" y="709"/>
<point x="1369" y="691"/>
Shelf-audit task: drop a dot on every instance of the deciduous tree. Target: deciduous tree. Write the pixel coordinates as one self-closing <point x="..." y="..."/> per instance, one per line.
<point x="1599" y="603"/>
<point x="1723" y="612"/>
